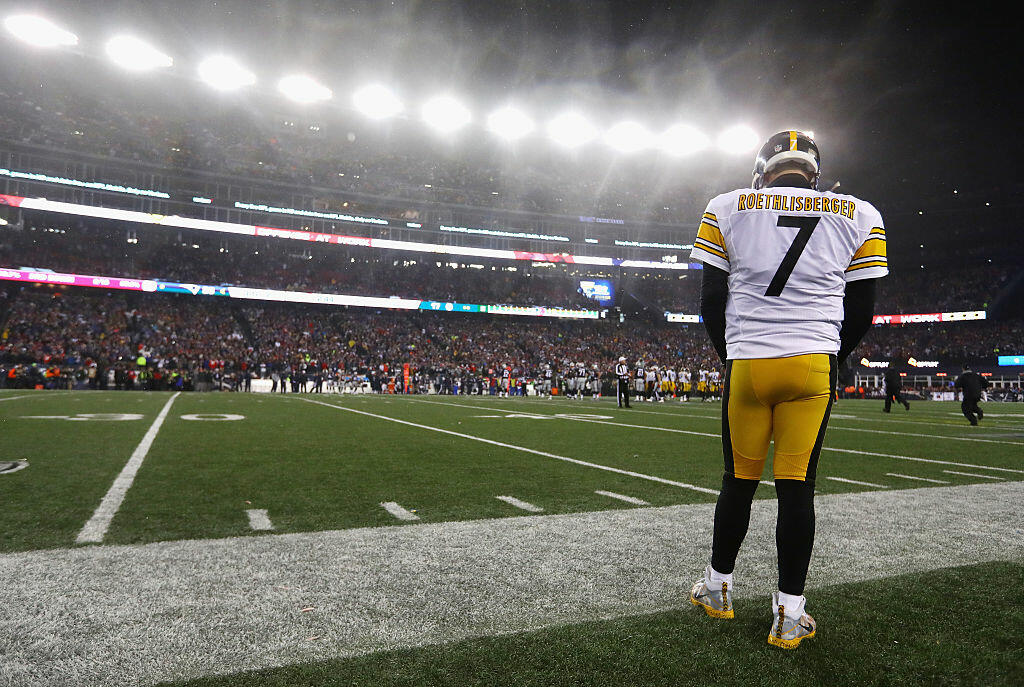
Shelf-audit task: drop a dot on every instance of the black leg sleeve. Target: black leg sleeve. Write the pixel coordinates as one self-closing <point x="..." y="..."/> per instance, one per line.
<point x="794" y="533"/>
<point x="732" y="517"/>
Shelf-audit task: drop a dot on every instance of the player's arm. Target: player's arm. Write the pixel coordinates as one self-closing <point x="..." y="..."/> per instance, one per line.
<point x="714" y="292"/>
<point x="859" y="310"/>
<point x="868" y="264"/>
<point x="709" y="247"/>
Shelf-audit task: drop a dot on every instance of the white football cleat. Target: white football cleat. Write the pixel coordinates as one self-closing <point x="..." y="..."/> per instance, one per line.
<point x="717" y="604"/>
<point x="787" y="632"/>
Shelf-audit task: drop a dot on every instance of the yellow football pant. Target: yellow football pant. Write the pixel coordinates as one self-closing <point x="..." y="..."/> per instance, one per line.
<point x="788" y="399"/>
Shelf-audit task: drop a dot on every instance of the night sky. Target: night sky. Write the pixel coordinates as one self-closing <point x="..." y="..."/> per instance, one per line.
<point x="908" y="102"/>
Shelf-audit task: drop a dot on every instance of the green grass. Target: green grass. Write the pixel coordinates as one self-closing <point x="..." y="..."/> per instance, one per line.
<point x="959" y="626"/>
<point x="317" y="467"/>
<point x="314" y="467"/>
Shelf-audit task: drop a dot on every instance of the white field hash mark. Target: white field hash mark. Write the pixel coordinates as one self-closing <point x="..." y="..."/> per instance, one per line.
<point x="971" y="474"/>
<point x="259" y="520"/>
<point x="622" y="497"/>
<point x="535" y="452"/>
<point x="919" y="479"/>
<point x="96" y="528"/>
<point x="854" y="481"/>
<point x="522" y="505"/>
<point x="398" y="511"/>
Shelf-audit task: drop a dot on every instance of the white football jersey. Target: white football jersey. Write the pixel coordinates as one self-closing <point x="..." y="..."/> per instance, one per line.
<point x="789" y="253"/>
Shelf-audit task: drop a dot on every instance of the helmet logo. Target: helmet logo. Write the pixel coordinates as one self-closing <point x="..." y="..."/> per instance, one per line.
<point x="778" y="148"/>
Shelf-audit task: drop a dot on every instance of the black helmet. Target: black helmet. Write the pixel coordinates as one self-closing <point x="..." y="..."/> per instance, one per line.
<point x="787" y="146"/>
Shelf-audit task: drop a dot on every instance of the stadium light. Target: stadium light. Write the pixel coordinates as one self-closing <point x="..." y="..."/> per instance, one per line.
<point x="303" y="89"/>
<point x="225" y="73"/>
<point x="376" y="102"/>
<point x="628" y="137"/>
<point x="738" y="140"/>
<point x="38" y="31"/>
<point x="683" y="139"/>
<point x="446" y="114"/>
<point x="509" y="123"/>
<point x="135" y="54"/>
<point x="571" y="130"/>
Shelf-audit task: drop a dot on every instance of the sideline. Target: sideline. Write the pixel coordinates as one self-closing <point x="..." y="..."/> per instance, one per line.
<point x="170" y="611"/>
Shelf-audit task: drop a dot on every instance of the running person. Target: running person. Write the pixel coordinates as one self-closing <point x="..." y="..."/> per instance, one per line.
<point x="788" y="290"/>
<point x="971" y="384"/>
<point x="894" y="390"/>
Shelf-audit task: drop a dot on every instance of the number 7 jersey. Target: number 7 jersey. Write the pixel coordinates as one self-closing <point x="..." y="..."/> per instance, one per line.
<point x="789" y="253"/>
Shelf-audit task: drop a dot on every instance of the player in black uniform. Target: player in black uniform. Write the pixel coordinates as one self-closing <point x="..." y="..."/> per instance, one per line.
<point x="971" y="384"/>
<point x="622" y="375"/>
<point x="893" y="390"/>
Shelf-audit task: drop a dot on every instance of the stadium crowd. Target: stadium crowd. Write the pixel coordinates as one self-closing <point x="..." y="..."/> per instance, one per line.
<point x="66" y="335"/>
<point x="82" y="249"/>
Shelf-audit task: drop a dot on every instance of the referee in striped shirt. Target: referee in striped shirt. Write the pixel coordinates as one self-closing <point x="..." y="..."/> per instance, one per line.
<point x="622" y="375"/>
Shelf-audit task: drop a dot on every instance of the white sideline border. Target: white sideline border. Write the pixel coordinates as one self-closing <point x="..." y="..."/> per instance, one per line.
<point x="575" y="461"/>
<point x="96" y="528"/>
<point x="718" y="436"/>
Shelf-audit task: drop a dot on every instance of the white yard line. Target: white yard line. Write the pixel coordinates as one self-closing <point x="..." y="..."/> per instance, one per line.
<point x="919" y="479"/>
<point x="921" y="460"/>
<point x="854" y="481"/>
<point x="96" y="528"/>
<point x="833" y="426"/>
<point x="398" y="511"/>
<point x="575" y="461"/>
<point x="518" y="503"/>
<point x="769" y="482"/>
<point x="259" y="520"/>
<point x="577" y="419"/>
<point x="717" y="436"/>
<point x="13" y="398"/>
<point x="971" y="474"/>
<point x="622" y="497"/>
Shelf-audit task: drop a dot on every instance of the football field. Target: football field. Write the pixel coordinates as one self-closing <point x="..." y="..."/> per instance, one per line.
<point x="241" y="539"/>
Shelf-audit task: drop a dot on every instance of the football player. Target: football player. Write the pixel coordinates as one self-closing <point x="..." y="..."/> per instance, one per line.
<point x="581" y="380"/>
<point x="640" y="379"/>
<point x="715" y="384"/>
<point x="506" y="380"/>
<point x="788" y="291"/>
<point x="651" y="383"/>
